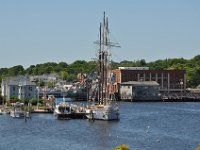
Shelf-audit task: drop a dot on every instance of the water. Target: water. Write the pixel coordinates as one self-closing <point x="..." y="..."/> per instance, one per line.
<point x="142" y="126"/>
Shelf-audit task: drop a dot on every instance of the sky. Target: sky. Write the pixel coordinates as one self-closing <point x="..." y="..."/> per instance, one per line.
<point x="40" y="31"/>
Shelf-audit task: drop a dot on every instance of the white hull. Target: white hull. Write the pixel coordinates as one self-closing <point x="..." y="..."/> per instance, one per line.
<point x="57" y="112"/>
<point x="62" y="111"/>
<point x="17" y="114"/>
<point x="5" y="112"/>
<point x="107" y="112"/>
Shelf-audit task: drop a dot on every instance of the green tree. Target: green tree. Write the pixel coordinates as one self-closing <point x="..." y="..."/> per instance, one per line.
<point x="15" y="99"/>
<point x="51" y="84"/>
<point x="3" y="71"/>
<point x="142" y="62"/>
<point x="34" y="101"/>
<point x="16" y="70"/>
<point x="63" y="65"/>
<point x="30" y="70"/>
<point x="64" y="75"/>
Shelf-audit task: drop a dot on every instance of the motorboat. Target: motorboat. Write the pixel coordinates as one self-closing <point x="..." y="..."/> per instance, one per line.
<point x="62" y="110"/>
<point x="17" y="110"/>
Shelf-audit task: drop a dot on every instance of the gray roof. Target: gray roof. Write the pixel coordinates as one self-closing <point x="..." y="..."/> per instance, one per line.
<point x="16" y="81"/>
<point x="141" y="83"/>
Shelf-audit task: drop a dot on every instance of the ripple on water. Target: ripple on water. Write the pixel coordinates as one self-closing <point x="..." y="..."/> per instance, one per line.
<point x="145" y="126"/>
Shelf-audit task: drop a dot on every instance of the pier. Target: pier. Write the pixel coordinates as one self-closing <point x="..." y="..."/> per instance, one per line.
<point x="180" y="97"/>
<point x="73" y="115"/>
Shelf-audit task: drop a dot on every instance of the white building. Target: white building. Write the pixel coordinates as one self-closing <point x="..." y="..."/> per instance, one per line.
<point x="19" y="87"/>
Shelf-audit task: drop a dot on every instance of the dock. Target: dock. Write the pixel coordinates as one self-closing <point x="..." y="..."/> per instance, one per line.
<point x="42" y="111"/>
<point x="180" y="97"/>
<point x="73" y="115"/>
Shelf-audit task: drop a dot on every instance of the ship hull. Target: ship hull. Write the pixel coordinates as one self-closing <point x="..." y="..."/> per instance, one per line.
<point x="17" y="114"/>
<point x="62" y="115"/>
<point x="107" y="112"/>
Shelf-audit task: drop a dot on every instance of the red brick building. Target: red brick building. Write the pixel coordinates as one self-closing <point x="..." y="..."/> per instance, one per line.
<point x="169" y="80"/>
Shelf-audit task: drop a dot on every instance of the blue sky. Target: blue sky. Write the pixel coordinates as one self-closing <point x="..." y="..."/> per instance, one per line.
<point x="39" y="31"/>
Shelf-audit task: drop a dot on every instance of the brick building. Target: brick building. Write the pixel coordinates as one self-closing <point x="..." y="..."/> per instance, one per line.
<point x="169" y="80"/>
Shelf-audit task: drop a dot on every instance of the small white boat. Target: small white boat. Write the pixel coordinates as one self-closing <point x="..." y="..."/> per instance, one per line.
<point x="62" y="110"/>
<point x="3" y="112"/>
<point x="17" y="110"/>
<point x="66" y="110"/>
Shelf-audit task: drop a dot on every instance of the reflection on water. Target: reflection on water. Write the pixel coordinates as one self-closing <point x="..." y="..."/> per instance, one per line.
<point x="145" y="126"/>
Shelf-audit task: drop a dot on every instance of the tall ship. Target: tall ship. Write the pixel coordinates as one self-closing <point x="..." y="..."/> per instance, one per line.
<point x="106" y="108"/>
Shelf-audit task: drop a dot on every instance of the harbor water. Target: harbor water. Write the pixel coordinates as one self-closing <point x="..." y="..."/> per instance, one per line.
<point x="142" y="126"/>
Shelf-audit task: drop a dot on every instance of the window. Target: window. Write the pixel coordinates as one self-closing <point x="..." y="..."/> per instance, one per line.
<point x="13" y="88"/>
<point x="30" y="88"/>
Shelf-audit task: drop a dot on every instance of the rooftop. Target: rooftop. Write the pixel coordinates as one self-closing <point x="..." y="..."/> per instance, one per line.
<point x="17" y="81"/>
<point x="133" y="68"/>
<point x="141" y="83"/>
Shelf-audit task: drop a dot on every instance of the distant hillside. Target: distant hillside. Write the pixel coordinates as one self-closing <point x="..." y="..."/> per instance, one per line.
<point x="69" y="71"/>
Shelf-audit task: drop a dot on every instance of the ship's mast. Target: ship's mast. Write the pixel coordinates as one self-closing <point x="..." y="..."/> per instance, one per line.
<point x="99" y="69"/>
<point x="103" y="61"/>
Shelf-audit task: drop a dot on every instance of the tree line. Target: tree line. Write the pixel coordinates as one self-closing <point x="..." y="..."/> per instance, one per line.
<point x="69" y="71"/>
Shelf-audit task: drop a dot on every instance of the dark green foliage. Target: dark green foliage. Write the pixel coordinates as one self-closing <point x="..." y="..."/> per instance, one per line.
<point x="196" y="58"/>
<point x="15" y="99"/>
<point x="51" y="84"/>
<point x="193" y="78"/>
<point x="16" y="70"/>
<point x="41" y="83"/>
<point x="30" y="69"/>
<point x="34" y="101"/>
<point x="63" y="65"/>
<point x="3" y="71"/>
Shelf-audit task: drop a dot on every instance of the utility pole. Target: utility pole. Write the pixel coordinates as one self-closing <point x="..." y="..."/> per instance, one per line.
<point x="181" y="83"/>
<point x="38" y="95"/>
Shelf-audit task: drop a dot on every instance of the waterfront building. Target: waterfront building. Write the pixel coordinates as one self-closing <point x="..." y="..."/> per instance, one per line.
<point x="19" y="87"/>
<point x="169" y="80"/>
<point x="139" y="90"/>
